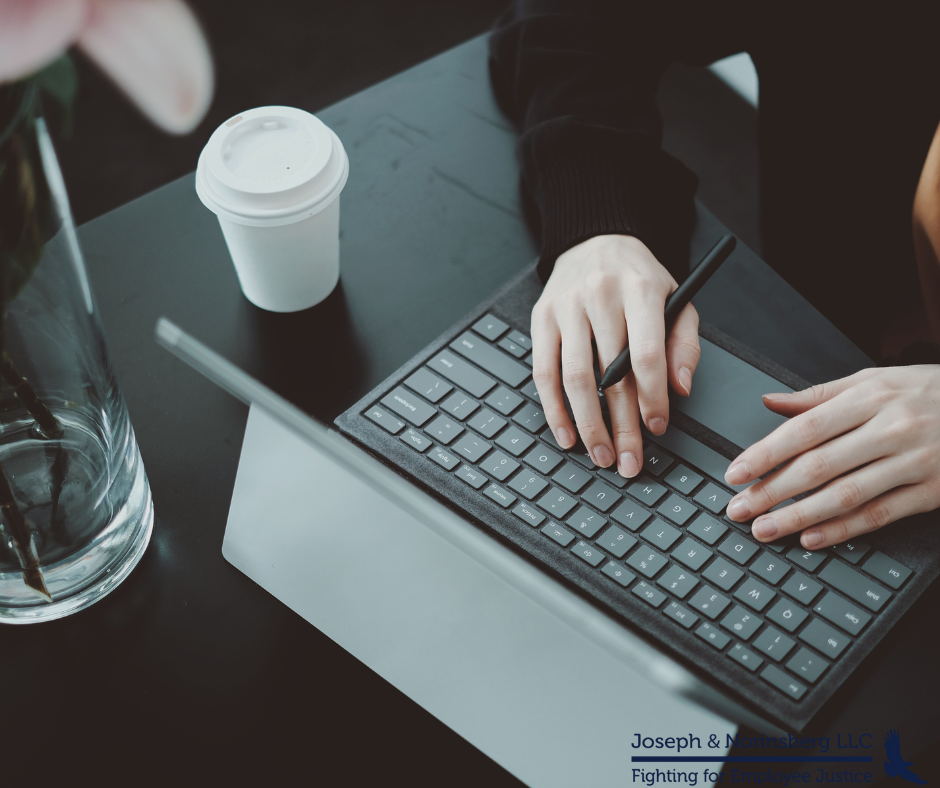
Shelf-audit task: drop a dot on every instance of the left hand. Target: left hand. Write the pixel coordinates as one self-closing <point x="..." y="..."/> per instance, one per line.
<point x="870" y="442"/>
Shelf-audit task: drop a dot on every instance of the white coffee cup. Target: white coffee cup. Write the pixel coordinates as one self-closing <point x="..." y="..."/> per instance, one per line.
<point x="273" y="176"/>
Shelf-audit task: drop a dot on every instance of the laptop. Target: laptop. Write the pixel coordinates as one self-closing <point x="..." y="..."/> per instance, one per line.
<point x="649" y="571"/>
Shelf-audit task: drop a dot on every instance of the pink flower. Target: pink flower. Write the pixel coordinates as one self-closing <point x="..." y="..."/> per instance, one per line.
<point x="154" y="50"/>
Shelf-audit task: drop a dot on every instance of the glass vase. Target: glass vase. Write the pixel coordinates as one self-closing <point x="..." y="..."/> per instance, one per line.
<point x="76" y="512"/>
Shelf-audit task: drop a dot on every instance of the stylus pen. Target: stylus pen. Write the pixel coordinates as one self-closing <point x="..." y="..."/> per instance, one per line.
<point x="622" y="365"/>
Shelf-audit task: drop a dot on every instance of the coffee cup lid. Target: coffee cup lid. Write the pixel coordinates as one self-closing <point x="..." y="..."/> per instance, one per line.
<point x="271" y="166"/>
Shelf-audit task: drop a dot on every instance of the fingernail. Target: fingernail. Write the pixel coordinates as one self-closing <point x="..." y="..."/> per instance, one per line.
<point x="602" y="456"/>
<point x="811" y="538"/>
<point x="563" y="436"/>
<point x="772" y="397"/>
<point x="685" y="379"/>
<point x="738" y="473"/>
<point x="629" y="467"/>
<point x="739" y="509"/>
<point x="657" y="426"/>
<point x="764" y="528"/>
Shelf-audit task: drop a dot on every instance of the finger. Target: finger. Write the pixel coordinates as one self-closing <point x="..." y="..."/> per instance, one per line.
<point x="836" y="499"/>
<point x="808" y="471"/>
<point x="800" y="434"/>
<point x="610" y="333"/>
<point x="683" y="351"/>
<point x="546" y="366"/>
<point x="801" y="401"/>
<point x="577" y="365"/>
<point x="647" y="333"/>
<point x="876" y="513"/>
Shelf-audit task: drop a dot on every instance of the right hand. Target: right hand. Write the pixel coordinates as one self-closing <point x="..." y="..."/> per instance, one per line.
<point x="612" y="289"/>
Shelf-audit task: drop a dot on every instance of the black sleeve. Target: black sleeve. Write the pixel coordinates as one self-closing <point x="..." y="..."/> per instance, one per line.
<point x="579" y="79"/>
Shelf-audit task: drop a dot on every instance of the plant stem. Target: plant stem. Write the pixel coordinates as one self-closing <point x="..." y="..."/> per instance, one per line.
<point x="47" y="423"/>
<point x="22" y="538"/>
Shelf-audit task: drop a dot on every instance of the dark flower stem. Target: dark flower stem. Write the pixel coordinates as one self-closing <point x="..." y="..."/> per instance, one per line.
<point x="47" y="423"/>
<point x="22" y="538"/>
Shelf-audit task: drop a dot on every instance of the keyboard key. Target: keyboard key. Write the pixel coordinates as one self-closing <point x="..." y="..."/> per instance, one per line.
<point x="743" y="656"/>
<point x="444" y="429"/>
<point x="712" y="636"/>
<point x="499" y="466"/>
<point x="712" y="498"/>
<point x="754" y="594"/>
<point x="385" y="420"/>
<point x="496" y="493"/>
<point x="676" y="509"/>
<point x="601" y="496"/>
<point x="415" y="439"/>
<point x="824" y="638"/>
<point x="504" y="401"/>
<point x="556" y="533"/>
<point x="646" y="561"/>
<point x="530" y="360"/>
<point x="774" y="644"/>
<point x="807" y="665"/>
<point x="780" y="545"/>
<point x="459" y="405"/>
<point x="616" y="541"/>
<point x="886" y="569"/>
<point x="630" y="515"/>
<point x="555" y="502"/>
<point x="660" y="534"/>
<point x="647" y="491"/>
<point x="781" y="681"/>
<point x="680" y="615"/>
<point x="802" y="588"/>
<point x="409" y="406"/>
<point x="855" y="585"/>
<point x="656" y="462"/>
<point x="692" y="554"/>
<point x="580" y="455"/>
<point x="708" y="529"/>
<point x="428" y="385"/>
<point x="487" y="423"/>
<point x="617" y="573"/>
<point x="491" y="327"/>
<point x="787" y="615"/>
<point x="520" y="339"/>
<point x="528" y="485"/>
<point x="678" y="581"/>
<point x="738" y="548"/>
<point x="853" y="551"/>
<point x="458" y="371"/>
<point x="683" y="479"/>
<point x="531" y="391"/>
<point x="443" y="458"/>
<point x="709" y="602"/>
<point x="770" y="568"/>
<point x="588" y="552"/>
<point x="470" y="447"/>
<point x="490" y="359"/>
<point x="842" y="613"/>
<point x="530" y="417"/>
<point x="806" y="559"/>
<point x="611" y="476"/>
<point x="515" y="441"/>
<point x="511" y="347"/>
<point x="742" y="622"/>
<point x="586" y="522"/>
<point x="471" y="476"/>
<point x="723" y="574"/>
<point x="528" y="515"/>
<point x="648" y="594"/>
<point x="542" y="459"/>
<point x="571" y="477"/>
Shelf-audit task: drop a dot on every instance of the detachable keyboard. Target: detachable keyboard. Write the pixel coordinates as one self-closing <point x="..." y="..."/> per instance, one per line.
<point x="776" y="625"/>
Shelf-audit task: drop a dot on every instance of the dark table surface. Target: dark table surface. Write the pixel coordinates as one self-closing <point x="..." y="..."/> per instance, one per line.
<point x="189" y="671"/>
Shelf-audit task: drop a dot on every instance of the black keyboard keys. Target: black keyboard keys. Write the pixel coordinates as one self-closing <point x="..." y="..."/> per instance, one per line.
<point x="409" y="406"/>
<point x="683" y="479"/>
<point x="712" y="498"/>
<point x="385" y="420"/>
<point x="886" y="569"/>
<point x="428" y="385"/>
<point x="503" y="400"/>
<point x="499" y="466"/>
<point x="855" y="585"/>
<point x="656" y="462"/>
<point x="458" y="371"/>
<point x="586" y="522"/>
<point x="542" y="459"/>
<point x="802" y="588"/>
<point x="842" y="613"/>
<point x="692" y="554"/>
<point x="676" y="509"/>
<point x="486" y="423"/>
<point x="491" y="327"/>
<point x="824" y="638"/>
<point x="528" y="485"/>
<point x="557" y="503"/>
<point x="630" y="514"/>
<point x="470" y="447"/>
<point x="709" y="602"/>
<point x="494" y="361"/>
<point x="460" y="406"/>
<point x="571" y="477"/>
<point x="741" y="622"/>
<point x="723" y="574"/>
<point x="646" y="491"/>
<point x="515" y="441"/>
<point x="443" y="429"/>
<point x="600" y="496"/>
<point x="774" y="644"/>
<point x="616" y="541"/>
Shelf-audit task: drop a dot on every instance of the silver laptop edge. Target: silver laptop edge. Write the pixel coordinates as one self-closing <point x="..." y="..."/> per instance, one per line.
<point x="577" y="613"/>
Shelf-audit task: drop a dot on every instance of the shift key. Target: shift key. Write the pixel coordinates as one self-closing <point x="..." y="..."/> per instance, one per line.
<point x="409" y="406"/>
<point x="492" y="360"/>
<point x="855" y="585"/>
<point x="458" y="371"/>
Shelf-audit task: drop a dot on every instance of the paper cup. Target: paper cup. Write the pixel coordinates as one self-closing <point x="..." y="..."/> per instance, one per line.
<point x="273" y="176"/>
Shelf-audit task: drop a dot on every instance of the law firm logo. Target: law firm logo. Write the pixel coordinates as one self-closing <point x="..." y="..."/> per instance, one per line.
<point x="896" y="766"/>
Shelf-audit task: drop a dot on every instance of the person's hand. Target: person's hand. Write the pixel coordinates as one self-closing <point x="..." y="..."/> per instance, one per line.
<point x="873" y="440"/>
<point x="610" y="288"/>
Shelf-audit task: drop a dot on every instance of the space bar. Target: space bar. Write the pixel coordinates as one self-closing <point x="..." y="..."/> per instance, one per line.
<point x="691" y="450"/>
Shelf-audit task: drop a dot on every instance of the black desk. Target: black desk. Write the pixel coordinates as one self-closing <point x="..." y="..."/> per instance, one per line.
<point x="190" y="671"/>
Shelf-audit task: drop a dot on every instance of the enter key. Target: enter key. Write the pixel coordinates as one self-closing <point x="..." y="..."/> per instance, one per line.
<point x="842" y="613"/>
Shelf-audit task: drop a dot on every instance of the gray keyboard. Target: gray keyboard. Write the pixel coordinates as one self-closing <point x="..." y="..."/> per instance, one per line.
<point x="777" y="611"/>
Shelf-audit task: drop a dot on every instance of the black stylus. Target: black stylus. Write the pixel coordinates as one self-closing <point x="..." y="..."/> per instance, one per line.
<point x="675" y="304"/>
